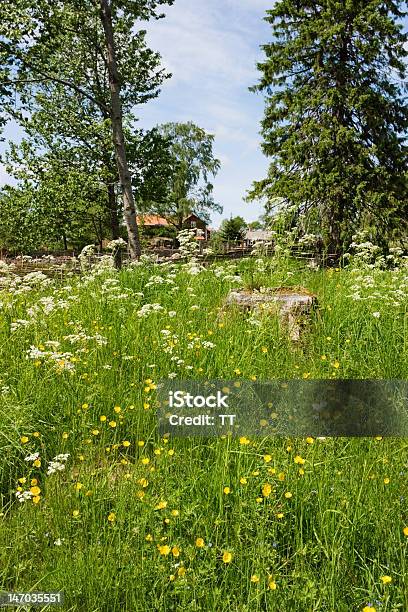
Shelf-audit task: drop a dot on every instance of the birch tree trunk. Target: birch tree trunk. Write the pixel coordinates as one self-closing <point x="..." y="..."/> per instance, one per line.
<point x="129" y="211"/>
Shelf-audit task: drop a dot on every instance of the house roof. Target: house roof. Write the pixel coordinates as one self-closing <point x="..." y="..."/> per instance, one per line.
<point x="258" y="235"/>
<point x="193" y="216"/>
<point x="154" y="220"/>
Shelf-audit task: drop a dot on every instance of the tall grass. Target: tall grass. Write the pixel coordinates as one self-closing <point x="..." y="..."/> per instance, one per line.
<point x="135" y="522"/>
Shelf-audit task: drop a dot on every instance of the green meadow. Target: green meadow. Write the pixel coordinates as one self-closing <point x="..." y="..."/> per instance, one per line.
<point x="96" y="504"/>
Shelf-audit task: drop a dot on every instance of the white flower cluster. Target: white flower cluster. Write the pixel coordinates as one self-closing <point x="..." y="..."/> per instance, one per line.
<point x="148" y="309"/>
<point x="309" y="240"/>
<point x="119" y="243"/>
<point x="82" y="337"/>
<point x="160" y="280"/>
<point x="192" y="268"/>
<point x="32" y="457"/>
<point x="23" y="496"/>
<point x="85" y="256"/>
<point x="143" y="261"/>
<point x="57" y="464"/>
<point x="390" y="290"/>
<point x="18" y="285"/>
<point x="261" y="247"/>
<point x="19" y="323"/>
<point x="61" y="361"/>
<point x="189" y="246"/>
<point x="112" y="291"/>
<point x="198" y="343"/>
<point x="366" y="255"/>
<point x="227" y="273"/>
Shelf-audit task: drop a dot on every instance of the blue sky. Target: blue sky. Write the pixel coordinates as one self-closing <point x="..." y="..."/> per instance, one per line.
<point x="211" y="47"/>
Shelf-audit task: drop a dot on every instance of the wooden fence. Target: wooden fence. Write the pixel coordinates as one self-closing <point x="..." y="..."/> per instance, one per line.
<point x="61" y="265"/>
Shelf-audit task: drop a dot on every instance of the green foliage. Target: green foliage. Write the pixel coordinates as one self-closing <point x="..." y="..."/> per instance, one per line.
<point x="233" y="228"/>
<point x="190" y="188"/>
<point x="325" y="547"/>
<point x="62" y="100"/>
<point x="336" y="116"/>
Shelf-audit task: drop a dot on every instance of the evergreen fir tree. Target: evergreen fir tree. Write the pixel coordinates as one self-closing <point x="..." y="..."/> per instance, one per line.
<point x="336" y="116"/>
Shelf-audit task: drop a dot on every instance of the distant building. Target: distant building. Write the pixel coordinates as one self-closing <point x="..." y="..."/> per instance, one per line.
<point x="194" y="222"/>
<point x="253" y="236"/>
<point x="190" y="222"/>
<point x="152" y="221"/>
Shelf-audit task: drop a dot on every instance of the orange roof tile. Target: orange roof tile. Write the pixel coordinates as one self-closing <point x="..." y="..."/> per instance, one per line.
<point x="151" y="220"/>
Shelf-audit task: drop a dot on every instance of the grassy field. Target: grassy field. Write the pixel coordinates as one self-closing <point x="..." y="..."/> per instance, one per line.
<point x="96" y="504"/>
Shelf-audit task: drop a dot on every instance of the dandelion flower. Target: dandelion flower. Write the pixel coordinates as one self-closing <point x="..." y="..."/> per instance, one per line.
<point x="75" y="513"/>
<point x="267" y="458"/>
<point x="272" y="585"/>
<point x="164" y="550"/>
<point x="24" y="439"/>
<point x="386" y="579"/>
<point x="35" y="490"/>
<point x="244" y="441"/>
<point x="254" y="578"/>
<point x="405" y="531"/>
<point x="227" y="490"/>
<point x="266" y="489"/>
<point x="199" y="543"/>
<point x="175" y="551"/>
<point x="227" y="557"/>
<point x="111" y="517"/>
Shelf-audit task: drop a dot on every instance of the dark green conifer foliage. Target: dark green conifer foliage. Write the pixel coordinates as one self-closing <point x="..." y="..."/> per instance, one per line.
<point x="336" y="116"/>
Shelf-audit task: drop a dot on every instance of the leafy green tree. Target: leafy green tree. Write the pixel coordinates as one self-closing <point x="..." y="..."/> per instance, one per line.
<point x="336" y="117"/>
<point x="233" y="228"/>
<point x="194" y="165"/>
<point x="255" y="225"/>
<point x="92" y="51"/>
<point x="63" y="157"/>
